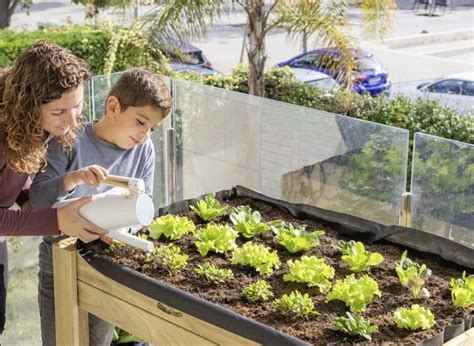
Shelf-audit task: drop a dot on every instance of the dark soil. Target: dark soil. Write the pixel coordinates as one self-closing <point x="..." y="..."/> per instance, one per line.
<point x="316" y="329"/>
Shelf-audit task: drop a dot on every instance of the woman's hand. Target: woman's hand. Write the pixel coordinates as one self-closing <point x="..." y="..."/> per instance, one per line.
<point x="90" y="175"/>
<point x="73" y="224"/>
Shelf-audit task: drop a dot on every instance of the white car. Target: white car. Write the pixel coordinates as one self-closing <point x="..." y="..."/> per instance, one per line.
<point x="317" y="79"/>
<point x="455" y="91"/>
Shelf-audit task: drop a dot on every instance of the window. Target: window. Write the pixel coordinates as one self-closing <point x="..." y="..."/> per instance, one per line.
<point x="468" y="89"/>
<point x="306" y="61"/>
<point x="449" y="86"/>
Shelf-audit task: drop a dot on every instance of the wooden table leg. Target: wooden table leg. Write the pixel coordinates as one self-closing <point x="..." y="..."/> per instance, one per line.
<point x="72" y="327"/>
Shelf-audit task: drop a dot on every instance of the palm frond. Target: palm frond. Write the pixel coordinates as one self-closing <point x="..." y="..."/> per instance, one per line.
<point x="378" y="16"/>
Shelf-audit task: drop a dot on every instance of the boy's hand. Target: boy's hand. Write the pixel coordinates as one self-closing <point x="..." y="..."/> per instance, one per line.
<point x="90" y="175"/>
<point x="71" y="223"/>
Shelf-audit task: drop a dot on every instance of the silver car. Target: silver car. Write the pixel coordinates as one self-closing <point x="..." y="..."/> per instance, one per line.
<point x="455" y="91"/>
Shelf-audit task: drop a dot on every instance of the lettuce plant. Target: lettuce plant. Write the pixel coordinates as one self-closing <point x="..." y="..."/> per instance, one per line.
<point x="217" y="238"/>
<point x="171" y="226"/>
<point x="355" y="326"/>
<point x="312" y="271"/>
<point x="169" y="258"/>
<point x="211" y="273"/>
<point x="355" y="255"/>
<point x="115" y="246"/>
<point x="296" y="303"/>
<point x="356" y="293"/>
<point x="248" y="223"/>
<point x="414" y="318"/>
<point x="296" y="239"/>
<point x="413" y="276"/>
<point x="209" y="208"/>
<point x="257" y="256"/>
<point x="260" y="290"/>
<point x="462" y="291"/>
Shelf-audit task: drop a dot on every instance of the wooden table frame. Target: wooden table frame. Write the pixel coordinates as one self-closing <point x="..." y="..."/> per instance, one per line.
<point x="80" y="290"/>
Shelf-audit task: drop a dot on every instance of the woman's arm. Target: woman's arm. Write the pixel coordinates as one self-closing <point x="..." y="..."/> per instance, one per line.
<point x="28" y="222"/>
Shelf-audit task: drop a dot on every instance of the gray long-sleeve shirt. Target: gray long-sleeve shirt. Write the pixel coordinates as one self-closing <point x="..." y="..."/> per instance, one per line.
<point x="48" y="187"/>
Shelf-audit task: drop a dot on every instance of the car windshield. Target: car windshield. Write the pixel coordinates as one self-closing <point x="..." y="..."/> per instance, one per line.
<point x="369" y="64"/>
<point x="324" y="83"/>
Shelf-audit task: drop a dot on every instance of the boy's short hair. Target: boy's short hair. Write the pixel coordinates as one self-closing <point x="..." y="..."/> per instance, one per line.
<point x="138" y="87"/>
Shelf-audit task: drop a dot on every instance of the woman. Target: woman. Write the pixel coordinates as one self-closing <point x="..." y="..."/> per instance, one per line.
<point x="41" y="96"/>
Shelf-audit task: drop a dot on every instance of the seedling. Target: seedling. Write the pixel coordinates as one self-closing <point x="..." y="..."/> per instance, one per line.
<point x="260" y="290"/>
<point x="171" y="226"/>
<point x="209" y="208"/>
<point x="257" y="256"/>
<point x="211" y="273"/>
<point x="169" y="258"/>
<point x="296" y="239"/>
<point x="312" y="271"/>
<point x="462" y="291"/>
<point x="414" y="318"/>
<point x="217" y="238"/>
<point x="413" y="276"/>
<point x="296" y="303"/>
<point x="356" y="293"/>
<point x="355" y="255"/>
<point x="248" y="223"/>
<point x="355" y="326"/>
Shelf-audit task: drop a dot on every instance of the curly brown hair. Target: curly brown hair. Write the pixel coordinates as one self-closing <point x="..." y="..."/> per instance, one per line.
<point x="42" y="73"/>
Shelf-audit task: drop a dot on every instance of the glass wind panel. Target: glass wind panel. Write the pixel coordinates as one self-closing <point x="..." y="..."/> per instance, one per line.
<point x="100" y="87"/>
<point x="218" y="139"/>
<point x="443" y="188"/>
<point x="298" y="154"/>
<point x="333" y="162"/>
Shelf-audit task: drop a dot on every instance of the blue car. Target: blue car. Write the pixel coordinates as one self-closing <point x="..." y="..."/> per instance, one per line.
<point x="368" y="77"/>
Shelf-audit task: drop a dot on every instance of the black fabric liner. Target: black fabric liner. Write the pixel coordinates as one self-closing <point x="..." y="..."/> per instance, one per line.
<point x="354" y="227"/>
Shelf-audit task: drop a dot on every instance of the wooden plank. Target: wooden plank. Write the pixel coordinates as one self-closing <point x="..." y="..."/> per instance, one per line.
<point x="72" y="326"/>
<point x="137" y="321"/>
<point x="464" y="339"/>
<point x="89" y="275"/>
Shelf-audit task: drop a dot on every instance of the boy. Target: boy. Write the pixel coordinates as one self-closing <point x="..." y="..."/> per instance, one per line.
<point x="118" y="144"/>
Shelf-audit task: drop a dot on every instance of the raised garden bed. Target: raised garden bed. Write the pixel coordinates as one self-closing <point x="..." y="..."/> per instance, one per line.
<point x="262" y="322"/>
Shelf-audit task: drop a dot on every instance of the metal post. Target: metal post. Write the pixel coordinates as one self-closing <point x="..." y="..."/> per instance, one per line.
<point x="406" y="210"/>
<point x="170" y="165"/>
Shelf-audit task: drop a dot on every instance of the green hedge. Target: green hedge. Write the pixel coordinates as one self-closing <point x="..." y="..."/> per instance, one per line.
<point x="93" y="44"/>
<point x="421" y="116"/>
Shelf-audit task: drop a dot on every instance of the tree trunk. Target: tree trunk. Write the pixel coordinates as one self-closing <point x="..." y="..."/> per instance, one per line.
<point x="305" y="40"/>
<point x="7" y="7"/>
<point x="256" y="48"/>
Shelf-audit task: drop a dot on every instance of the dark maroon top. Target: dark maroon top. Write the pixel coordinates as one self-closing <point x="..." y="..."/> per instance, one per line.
<point x="14" y="188"/>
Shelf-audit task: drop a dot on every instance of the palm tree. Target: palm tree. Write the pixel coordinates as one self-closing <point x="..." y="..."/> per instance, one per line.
<point x="187" y="19"/>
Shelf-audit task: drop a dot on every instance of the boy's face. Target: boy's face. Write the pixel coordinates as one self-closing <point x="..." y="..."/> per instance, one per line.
<point x="134" y="125"/>
<point x="61" y="115"/>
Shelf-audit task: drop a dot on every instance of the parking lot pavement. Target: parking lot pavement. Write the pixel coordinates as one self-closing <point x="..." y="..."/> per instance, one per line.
<point x="433" y="52"/>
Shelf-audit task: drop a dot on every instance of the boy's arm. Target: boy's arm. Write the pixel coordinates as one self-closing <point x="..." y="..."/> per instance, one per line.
<point x="149" y="169"/>
<point x="48" y="185"/>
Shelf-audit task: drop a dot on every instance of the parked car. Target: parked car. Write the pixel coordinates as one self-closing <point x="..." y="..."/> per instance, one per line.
<point x="455" y="91"/>
<point x="369" y="76"/>
<point x="314" y="78"/>
<point x="184" y="57"/>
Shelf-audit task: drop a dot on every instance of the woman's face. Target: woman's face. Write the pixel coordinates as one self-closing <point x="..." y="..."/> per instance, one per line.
<point x="59" y="116"/>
